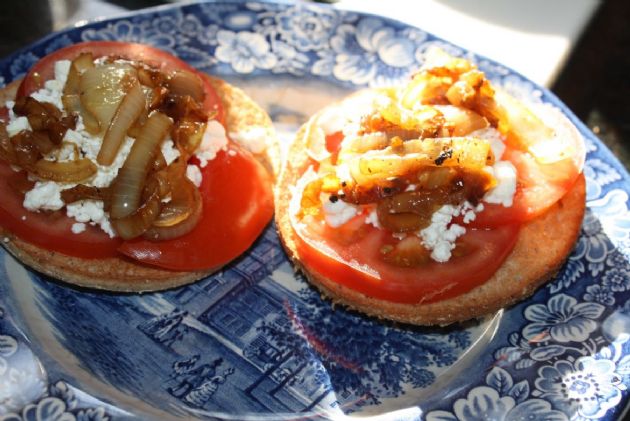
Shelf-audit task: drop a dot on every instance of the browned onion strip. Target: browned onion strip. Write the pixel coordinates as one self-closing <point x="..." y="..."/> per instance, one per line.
<point x="83" y="192"/>
<point x="182" y="204"/>
<point x="129" y="183"/>
<point x="138" y="221"/>
<point x="7" y="151"/>
<point x="71" y="92"/>
<point x="130" y="108"/>
<point x="66" y="172"/>
<point x="184" y="83"/>
<point x="158" y="233"/>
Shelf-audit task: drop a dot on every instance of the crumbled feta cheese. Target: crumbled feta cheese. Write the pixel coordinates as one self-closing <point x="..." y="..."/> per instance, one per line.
<point x="78" y="227"/>
<point x="45" y="195"/>
<point x="90" y="211"/>
<point x="253" y="139"/>
<point x="338" y="212"/>
<point x="17" y="125"/>
<point x="213" y="141"/>
<point x="439" y="237"/>
<point x="194" y="174"/>
<point x="503" y="192"/>
<point x="494" y="137"/>
<point x="53" y="89"/>
<point x="169" y="151"/>
<point x="372" y="219"/>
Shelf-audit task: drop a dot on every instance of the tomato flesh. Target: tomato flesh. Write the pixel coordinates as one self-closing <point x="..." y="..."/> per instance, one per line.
<point x="237" y="205"/>
<point x="358" y="264"/>
<point x="51" y="231"/>
<point x="539" y="186"/>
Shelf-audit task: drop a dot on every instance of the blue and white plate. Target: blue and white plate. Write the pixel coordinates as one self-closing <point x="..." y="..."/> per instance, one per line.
<point x="254" y="341"/>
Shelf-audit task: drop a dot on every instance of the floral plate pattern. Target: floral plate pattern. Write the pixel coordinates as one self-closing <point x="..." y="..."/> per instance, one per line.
<point x="254" y="341"/>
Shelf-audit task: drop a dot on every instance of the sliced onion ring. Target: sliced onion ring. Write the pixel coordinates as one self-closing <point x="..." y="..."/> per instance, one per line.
<point x="129" y="183"/>
<point x="184" y="201"/>
<point x="137" y="222"/>
<point x="130" y="108"/>
<point x="158" y="233"/>
<point x="183" y="83"/>
<point x="66" y="172"/>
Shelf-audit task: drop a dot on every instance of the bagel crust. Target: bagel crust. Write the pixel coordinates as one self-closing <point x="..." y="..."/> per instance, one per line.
<point x="120" y="273"/>
<point x="542" y="247"/>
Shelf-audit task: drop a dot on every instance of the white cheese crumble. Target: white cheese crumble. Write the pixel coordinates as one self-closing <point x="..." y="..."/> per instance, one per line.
<point x="372" y="219"/>
<point x="213" y="141"/>
<point x="194" y="174"/>
<point x="439" y="237"/>
<point x="45" y="195"/>
<point x="252" y="139"/>
<point x="494" y="137"/>
<point x="51" y="92"/>
<point x="16" y="125"/>
<point x="503" y="192"/>
<point x="339" y="212"/>
<point x="78" y="227"/>
<point x="169" y="151"/>
<point x="92" y="212"/>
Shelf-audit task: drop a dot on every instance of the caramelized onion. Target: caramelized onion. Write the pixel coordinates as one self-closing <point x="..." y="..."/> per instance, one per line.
<point x="67" y="171"/>
<point x="71" y="92"/>
<point x="7" y="151"/>
<point x="183" y="83"/>
<point x="104" y="87"/>
<point x="180" y="215"/>
<point x="184" y="201"/>
<point x="138" y="221"/>
<point x="83" y="192"/>
<point x="128" y="185"/>
<point x="130" y="108"/>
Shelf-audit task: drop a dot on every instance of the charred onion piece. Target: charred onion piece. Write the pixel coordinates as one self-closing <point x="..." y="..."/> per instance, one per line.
<point x="66" y="171"/>
<point x="129" y="183"/>
<point x="183" y="83"/>
<point x="130" y="108"/>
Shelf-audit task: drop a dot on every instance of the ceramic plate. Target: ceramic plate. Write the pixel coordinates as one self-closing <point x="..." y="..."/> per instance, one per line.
<point x="254" y="341"/>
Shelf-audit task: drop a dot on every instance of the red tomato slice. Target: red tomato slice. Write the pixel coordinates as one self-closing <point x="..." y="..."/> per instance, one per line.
<point x="50" y="231"/>
<point x="538" y="187"/>
<point x="237" y="205"/>
<point x="44" y="69"/>
<point x="357" y="264"/>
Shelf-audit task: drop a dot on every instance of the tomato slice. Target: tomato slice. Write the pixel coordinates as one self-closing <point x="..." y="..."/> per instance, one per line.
<point x="44" y="69"/>
<point x="237" y="205"/>
<point x="538" y="187"/>
<point x="50" y="231"/>
<point x="357" y="264"/>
